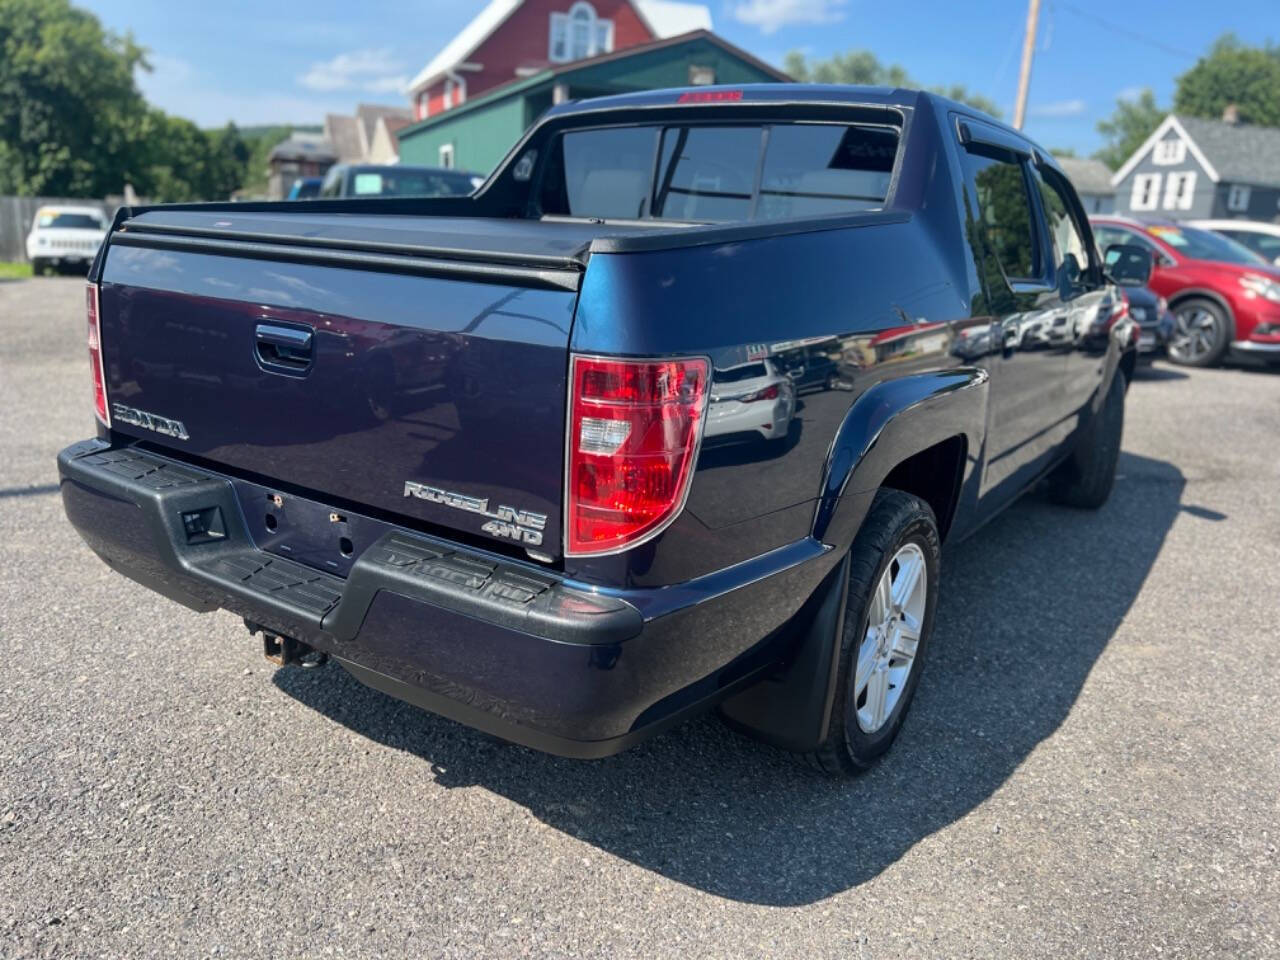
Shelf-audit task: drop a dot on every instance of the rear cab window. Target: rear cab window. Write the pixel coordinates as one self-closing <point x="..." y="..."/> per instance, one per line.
<point x="718" y="173"/>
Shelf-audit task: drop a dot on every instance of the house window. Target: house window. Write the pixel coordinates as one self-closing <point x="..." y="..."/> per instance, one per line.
<point x="446" y="155"/>
<point x="455" y="91"/>
<point x="1238" y="199"/>
<point x="1146" y="191"/>
<point x="578" y="34"/>
<point x="424" y="108"/>
<point x="701" y="76"/>
<point x="1169" y="152"/>
<point x="1179" y="190"/>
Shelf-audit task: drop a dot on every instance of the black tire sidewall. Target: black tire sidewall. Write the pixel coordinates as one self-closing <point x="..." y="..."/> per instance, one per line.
<point x="863" y="748"/>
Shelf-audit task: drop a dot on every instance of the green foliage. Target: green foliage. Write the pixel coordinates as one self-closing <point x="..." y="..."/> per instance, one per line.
<point x="68" y="103"/>
<point x="73" y="123"/>
<point x="864" y="67"/>
<point x="1233" y="73"/>
<point x="1126" y="129"/>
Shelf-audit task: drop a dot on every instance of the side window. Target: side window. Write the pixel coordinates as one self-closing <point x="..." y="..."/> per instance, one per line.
<point x="1004" y="210"/>
<point x="332" y="183"/>
<point x="1064" y="231"/>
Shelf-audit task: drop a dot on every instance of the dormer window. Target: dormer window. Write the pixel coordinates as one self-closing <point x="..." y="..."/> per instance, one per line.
<point x="579" y="34"/>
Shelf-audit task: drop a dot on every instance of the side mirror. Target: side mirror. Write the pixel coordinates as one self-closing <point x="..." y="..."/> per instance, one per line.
<point x="1128" y="264"/>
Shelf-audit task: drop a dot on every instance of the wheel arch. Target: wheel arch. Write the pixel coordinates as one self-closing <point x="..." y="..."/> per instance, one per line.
<point x="1204" y="293"/>
<point x="919" y="433"/>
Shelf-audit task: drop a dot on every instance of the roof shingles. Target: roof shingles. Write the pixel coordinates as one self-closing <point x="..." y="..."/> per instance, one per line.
<point x="1239" y="153"/>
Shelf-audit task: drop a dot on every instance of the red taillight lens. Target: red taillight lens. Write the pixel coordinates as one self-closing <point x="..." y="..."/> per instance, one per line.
<point x="634" y="427"/>
<point x="95" y="355"/>
<point x="768" y="393"/>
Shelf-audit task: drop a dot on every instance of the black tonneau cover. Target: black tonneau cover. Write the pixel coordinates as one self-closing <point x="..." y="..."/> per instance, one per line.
<point x="546" y="243"/>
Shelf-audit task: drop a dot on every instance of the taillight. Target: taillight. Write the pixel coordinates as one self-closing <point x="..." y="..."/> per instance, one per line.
<point x="634" y="427"/>
<point x="95" y="355"/>
<point x="768" y="393"/>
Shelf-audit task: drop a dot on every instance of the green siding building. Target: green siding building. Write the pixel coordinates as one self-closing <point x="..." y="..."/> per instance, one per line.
<point x="477" y="134"/>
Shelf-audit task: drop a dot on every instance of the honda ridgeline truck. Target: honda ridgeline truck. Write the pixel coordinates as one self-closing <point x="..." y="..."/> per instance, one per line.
<point x="459" y="445"/>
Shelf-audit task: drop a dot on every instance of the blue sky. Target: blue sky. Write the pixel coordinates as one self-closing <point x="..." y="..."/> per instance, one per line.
<point x="266" y="62"/>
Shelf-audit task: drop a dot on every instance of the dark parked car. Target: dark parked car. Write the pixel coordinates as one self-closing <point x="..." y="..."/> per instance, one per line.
<point x="455" y="444"/>
<point x="396" y="180"/>
<point x="305" y="188"/>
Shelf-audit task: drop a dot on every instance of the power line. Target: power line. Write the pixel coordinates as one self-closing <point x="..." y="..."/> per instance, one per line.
<point x="1131" y="34"/>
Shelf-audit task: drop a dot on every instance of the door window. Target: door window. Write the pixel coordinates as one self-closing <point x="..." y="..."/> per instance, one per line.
<point x="1064" y="232"/>
<point x="1004" y="210"/>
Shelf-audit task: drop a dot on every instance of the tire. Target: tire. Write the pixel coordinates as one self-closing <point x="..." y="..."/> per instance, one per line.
<point x="1086" y="477"/>
<point x="39" y="266"/>
<point x="899" y="530"/>
<point x="1201" y="333"/>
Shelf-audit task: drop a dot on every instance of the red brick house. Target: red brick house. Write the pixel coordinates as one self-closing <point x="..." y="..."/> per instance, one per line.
<point x="510" y="39"/>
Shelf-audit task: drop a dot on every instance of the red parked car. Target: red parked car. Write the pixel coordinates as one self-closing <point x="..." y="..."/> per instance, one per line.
<point x="1224" y="297"/>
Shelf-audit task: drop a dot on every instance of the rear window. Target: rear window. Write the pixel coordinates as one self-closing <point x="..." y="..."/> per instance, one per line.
<point x="718" y="173"/>
<point x="748" y="371"/>
<point x="409" y="183"/>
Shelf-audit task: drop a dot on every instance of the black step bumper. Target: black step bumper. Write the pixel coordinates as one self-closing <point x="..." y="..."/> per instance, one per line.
<point x="507" y="647"/>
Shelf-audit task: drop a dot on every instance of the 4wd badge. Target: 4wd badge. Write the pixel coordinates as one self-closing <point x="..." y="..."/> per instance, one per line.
<point x="523" y="526"/>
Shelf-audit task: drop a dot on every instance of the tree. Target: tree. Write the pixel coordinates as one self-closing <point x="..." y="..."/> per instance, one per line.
<point x="1232" y="73"/>
<point x="864" y="67"/>
<point x="1128" y="128"/>
<point x="73" y="123"/>
<point x="68" y="102"/>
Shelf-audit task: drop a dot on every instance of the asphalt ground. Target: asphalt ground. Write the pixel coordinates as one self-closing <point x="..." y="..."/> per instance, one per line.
<point x="1091" y="767"/>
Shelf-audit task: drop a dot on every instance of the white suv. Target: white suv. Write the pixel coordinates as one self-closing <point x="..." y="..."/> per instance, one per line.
<point x="62" y="236"/>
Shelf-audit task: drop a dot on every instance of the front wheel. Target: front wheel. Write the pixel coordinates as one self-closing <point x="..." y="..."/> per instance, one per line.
<point x="38" y="266"/>
<point x="893" y="591"/>
<point x="1201" y="333"/>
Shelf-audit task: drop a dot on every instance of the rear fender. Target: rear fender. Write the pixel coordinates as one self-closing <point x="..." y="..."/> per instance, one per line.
<point x="892" y="421"/>
<point x="889" y="423"/>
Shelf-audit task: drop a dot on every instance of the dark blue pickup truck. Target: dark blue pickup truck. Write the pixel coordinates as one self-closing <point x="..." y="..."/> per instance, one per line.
<point x="536" y="459"/>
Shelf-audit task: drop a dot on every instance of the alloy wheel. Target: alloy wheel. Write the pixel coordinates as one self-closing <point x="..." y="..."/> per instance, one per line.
<point x="888" y="648"/>
<point x="1195" y="333"/>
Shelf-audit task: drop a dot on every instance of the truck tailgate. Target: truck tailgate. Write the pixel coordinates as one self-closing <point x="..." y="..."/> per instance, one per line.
<point x="413" y="384"/>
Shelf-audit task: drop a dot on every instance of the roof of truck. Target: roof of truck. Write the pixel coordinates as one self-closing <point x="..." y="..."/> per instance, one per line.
<point x="751" y="93"/>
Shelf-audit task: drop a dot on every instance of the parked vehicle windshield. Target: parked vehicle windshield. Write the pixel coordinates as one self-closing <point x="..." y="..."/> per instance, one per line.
<point x="69" y="221"/>
<point x="718" y="174"/>
<point x="1205" y="245"/>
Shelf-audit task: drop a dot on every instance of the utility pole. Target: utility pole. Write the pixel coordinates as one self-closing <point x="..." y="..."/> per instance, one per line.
<point x="1028" y="51"/>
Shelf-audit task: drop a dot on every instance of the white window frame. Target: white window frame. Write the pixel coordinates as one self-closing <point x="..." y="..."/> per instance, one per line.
<point x="445" y="155"/>
<point x="599" y="36"/>
<point x="1180" y="190"/>
<point x="1168" y="153"/>
<point x="424" y="103"/>
<point x="1238" y="198"/>
<point x="1146" y="191"/>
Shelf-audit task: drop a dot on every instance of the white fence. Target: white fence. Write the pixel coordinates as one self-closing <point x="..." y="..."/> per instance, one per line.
<point x="16" y="214"/>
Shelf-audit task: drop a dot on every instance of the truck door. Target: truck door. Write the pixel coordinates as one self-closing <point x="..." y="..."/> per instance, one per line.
<point x="1083" y="302"/>
<point x="1027" y="355"/>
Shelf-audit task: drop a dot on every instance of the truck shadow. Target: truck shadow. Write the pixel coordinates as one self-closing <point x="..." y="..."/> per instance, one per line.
<point x="1027" y="607"/>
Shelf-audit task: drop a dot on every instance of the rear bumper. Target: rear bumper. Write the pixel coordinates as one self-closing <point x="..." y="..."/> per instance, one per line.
<point x="503" y="646"/>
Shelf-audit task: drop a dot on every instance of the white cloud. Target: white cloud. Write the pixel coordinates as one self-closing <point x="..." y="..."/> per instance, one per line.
<point x="179" y="88"/>
<point x="772" y="15"/>
<point x="371" y="70"/>
<point x="1130" y="93"/>
<point x="1059" y="108"/>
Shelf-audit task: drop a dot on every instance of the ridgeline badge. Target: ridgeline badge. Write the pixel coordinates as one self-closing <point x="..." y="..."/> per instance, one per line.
<point x="524" y="526"/>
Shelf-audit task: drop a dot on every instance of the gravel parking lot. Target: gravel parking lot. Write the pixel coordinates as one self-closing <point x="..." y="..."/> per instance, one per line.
<point x="1091" y="767"/>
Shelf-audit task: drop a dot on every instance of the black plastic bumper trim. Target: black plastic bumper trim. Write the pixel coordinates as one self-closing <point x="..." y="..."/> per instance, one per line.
<point x="234" y="573"/>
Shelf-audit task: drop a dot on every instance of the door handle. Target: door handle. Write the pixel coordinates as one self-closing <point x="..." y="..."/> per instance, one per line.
<point x="282" y="349"/>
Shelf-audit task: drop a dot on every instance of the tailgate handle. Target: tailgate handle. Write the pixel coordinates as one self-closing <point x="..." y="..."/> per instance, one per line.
<point x="282" y="349"/>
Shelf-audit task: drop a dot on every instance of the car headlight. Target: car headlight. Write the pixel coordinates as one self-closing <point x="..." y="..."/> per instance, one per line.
<point x="1261" y="287"/>
<point x="42" y="241"/>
